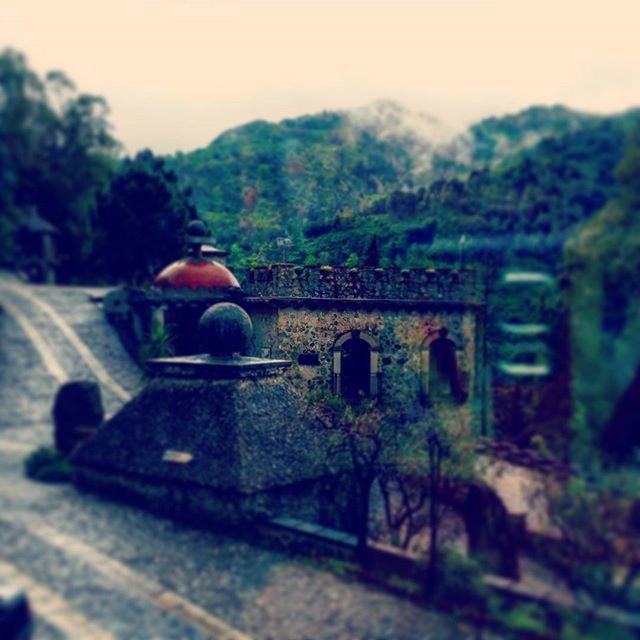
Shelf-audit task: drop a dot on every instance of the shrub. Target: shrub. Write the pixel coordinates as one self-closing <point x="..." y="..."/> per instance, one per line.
<point x="524" y="617"/>
<point x="159" y="344"/>
<point x="77" y="412"/>
<point x="459" y="583"/>
<point x="47" y="465"/>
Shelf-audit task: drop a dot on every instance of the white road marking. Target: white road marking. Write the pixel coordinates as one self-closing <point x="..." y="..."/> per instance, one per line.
<point x="46" y="355"/>
<point x="133" y="582"/>
<point x="12" y="446"/>
<point x="52" y="608"/>
<point x="82" y="349"/>
<point x="56" y="611"/>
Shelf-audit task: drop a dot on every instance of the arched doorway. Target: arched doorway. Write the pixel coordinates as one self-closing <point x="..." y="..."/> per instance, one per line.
<point x="356" y="369"/>
<point x="356" y="365"/>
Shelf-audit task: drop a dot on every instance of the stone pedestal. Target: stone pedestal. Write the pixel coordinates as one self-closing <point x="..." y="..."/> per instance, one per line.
<point x="218" y="438"/>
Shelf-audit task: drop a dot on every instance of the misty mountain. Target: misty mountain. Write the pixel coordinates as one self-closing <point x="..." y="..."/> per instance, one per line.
<point x="489" y="142"/>
<point x="382" y="170"/>
<point x="420" y="134"/>
<point x="266" y="178"/>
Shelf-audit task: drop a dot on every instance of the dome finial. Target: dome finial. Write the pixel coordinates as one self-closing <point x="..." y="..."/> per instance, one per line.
<point x="197" y="235"/>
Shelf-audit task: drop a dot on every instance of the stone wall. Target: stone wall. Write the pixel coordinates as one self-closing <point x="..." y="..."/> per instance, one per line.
<point x="289" y="331"/>
<point x="289" y="281"/>
<point x="301" y="311"/>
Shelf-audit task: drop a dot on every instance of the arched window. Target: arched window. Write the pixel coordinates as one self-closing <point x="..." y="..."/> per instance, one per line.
<point x="356" y="365"/>
<point x="440" y="377"/>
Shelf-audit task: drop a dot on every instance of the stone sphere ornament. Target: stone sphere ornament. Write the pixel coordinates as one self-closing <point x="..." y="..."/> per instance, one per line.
<point x="225" y="329"/>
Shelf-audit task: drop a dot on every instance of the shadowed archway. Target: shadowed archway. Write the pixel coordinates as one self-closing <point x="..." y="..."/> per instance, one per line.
<point x="356" y="365"/>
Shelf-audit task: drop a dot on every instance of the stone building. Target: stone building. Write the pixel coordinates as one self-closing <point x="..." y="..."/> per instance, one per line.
<point x="230" y="431"/>
<point x="233" y="438"/>
<point x="409" y="337"/>
<point x="217" y="436"/>
<point x="406" y="336"/>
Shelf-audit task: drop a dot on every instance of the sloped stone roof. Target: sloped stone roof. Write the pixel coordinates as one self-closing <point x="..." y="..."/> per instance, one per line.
<point x="242" y="435"/>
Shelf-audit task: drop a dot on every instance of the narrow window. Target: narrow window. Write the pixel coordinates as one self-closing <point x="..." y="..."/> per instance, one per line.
<point x="440" y="375"/>
<point x="355" y="366"/>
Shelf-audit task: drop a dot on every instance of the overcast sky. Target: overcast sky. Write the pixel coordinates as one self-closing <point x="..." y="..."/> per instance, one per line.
<point x="178" y="72"/>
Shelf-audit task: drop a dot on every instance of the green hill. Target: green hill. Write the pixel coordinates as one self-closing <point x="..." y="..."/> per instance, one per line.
<point x="370" y="186"/>
<point x="264" y="180"/>
<point x="488" y="143"/>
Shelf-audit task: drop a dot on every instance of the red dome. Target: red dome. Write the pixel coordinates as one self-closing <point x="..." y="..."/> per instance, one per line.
<point x="194" y="273"/>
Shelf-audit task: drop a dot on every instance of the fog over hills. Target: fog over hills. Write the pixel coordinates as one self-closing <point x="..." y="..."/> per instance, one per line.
<point x="418" y="132"/>
<point x="406" y="178"/>
<point x="366" y="150"/>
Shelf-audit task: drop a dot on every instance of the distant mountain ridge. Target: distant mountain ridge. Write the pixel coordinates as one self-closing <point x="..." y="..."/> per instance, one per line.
<point x="268" y="179"/>
<point x="489" y="142"/>
<point x="304" y="175"/>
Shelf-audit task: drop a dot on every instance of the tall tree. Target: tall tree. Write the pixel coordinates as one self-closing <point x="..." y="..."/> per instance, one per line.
<point x="603" y="267"/>
<point x="56" y="152"/>
<point x="141" y="219"/>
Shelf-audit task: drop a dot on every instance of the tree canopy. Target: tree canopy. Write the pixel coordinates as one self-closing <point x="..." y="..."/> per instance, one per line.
<point x="56" y="153"/>
<point x="140" y="219"/>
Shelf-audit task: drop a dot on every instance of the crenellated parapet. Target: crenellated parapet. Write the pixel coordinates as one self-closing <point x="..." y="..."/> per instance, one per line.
<point x="290" y="281"/>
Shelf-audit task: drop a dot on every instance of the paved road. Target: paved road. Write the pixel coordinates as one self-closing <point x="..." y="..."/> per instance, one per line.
<point x="96" y="569"/>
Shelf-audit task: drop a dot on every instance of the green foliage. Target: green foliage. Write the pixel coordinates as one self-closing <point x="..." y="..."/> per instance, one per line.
<point x="141" y="219"/>
<point x="56" y="153"/>
<point x="592" y="518"/>
<point x="353" y="260"/>
<point x="47" y="465"/>
<point x="602" y="265"/>
<point x="459" y="584"/>
<point x="159" y="344"/>
<point x="524" y="617"/>
<point x="575" y="628"/>
<point x="340" y="568"/>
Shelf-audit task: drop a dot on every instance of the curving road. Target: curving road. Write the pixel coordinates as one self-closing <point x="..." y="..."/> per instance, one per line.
<point x="98" y="570"/>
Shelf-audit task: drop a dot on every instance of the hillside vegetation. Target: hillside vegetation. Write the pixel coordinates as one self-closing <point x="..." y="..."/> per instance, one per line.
<point x="264" y="180"/>
<point x="354" y="189"/>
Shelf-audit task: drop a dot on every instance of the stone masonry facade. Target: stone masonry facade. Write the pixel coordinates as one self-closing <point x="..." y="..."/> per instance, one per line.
<point x="304" y="314"/>
<point x="301" y="313"/>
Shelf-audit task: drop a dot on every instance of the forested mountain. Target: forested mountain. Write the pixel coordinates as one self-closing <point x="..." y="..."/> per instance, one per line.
<point x="380" y="185"/>
<point x="489" y="142"/>
<point x="539" y="193"/>
<point x="264" y="180"/>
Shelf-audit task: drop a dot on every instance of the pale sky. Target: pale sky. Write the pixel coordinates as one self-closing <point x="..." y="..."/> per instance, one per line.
<point x="176" y="73"/>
